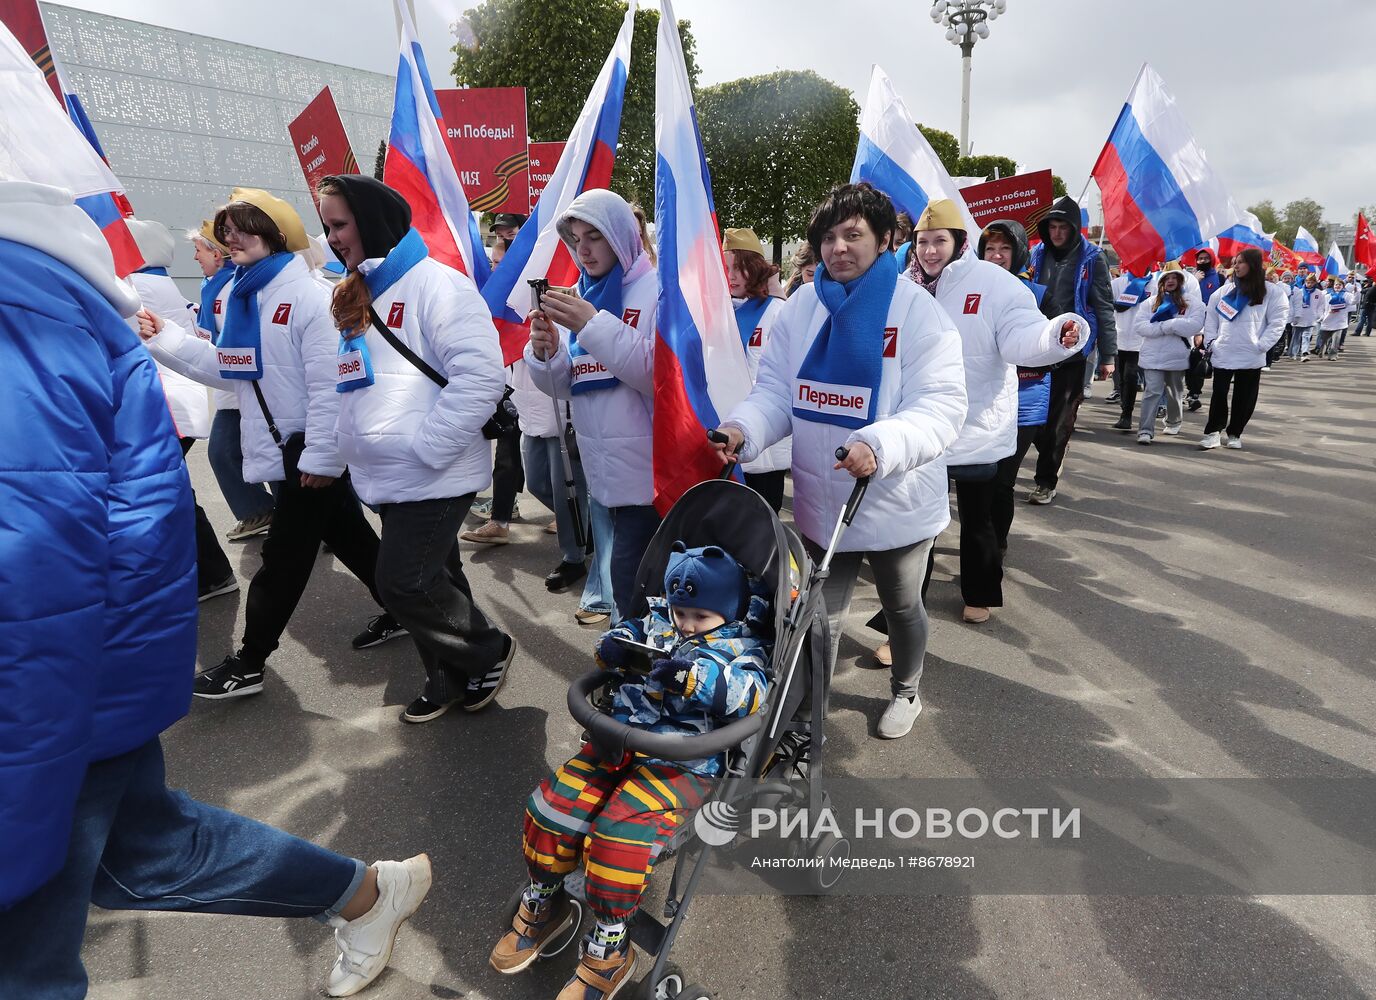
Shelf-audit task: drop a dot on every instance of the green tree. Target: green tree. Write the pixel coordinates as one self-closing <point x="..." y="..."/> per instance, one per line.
<point x="775" y="145"/>
<point x="1265" y="212"/>
<point x="1058" y="186"/>
<point x="1308" y="213"/>
<point x="381" y="159"/>
<point x="985" y="166"/>
<point x="554" y="49"/>
<point x="945" y="145"/>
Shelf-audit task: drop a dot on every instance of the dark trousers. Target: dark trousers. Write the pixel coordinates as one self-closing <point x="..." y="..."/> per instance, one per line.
<point x="1194" y="380"/>
<point x="421" y="579"/>
<point x="508" y="476"/>
<point x="981" y="559"/>
<point x="632" y="529"/>
<point x="212" y="565"/>
<point x="1005" y="482"/>
<point x="304" y="518"/>
<point x="1127" y="366"/>
<point x="1067" y="393"/>
<point x="769" y="485"/>
<point x="1246" y="384"/>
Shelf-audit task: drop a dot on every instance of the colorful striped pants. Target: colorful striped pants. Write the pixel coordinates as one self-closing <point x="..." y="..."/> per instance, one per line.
<point x="618" y="817"/>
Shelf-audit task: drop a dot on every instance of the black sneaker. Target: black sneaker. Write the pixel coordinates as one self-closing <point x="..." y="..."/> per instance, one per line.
<point x="481" y="690"/>
<point x="1122" y="424"/>
<point x="379" y="630"/>
<point x="230" y="678"/>
<point x="1114" y="397"/>
<point x="226" y="586"/>
<point x="423" y="710"/>
<point x="1194" y="404"/>
<point x="565" y="575"/>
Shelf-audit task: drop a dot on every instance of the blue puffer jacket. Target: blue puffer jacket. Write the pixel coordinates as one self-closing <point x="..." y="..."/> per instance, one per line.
<point x="97" y="551"/>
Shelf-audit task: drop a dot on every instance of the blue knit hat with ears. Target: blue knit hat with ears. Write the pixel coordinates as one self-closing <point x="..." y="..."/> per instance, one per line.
<point x="704" y="578"/>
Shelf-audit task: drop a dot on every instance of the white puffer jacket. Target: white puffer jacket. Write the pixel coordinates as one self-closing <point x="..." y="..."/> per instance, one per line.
<point x="1334" y="317"/>
<point x="779" y="456"/>
<point x="1303" y="315"/>
<point x="299" y="345"/>
<point x="209" y="326"/>
<point x="1125" y="319"/>
<point x="919" y="413"/>
<point x="185" y="397"/>
<point x="539" y="417"/>
<point x="1000" y="326"/>
<point x="1166" y="345"/>
<point x="1242" y="342"/>
<point x="403" y="437"/>
<point x="615" y="426"/>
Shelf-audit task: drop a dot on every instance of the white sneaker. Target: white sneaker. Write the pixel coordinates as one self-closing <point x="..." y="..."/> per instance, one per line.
<point x="365" y="944"/>
<point x="1144" y="438"/>
<point x="1171" y="429"/>
<point x="1209" y="441"/>
<point x="897" y="720"/>
<point x="1233" y="442"/>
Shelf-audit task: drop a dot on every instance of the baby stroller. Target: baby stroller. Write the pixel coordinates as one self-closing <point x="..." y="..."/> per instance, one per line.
<point x="773" y="756"/>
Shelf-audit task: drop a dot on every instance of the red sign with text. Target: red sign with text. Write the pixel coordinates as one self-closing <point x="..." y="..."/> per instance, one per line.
<point x="544" y="159"/>
<point x="486" y="132"/>
<point x="321" y="144"/>
<point x="1024" y="198"/>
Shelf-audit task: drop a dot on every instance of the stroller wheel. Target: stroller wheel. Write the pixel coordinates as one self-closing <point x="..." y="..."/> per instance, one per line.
<point x="829" y="847"/>
<point x="669" y="986"/>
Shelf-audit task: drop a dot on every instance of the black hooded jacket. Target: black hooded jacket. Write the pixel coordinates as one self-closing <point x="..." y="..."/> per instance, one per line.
<point x="1058" y="274"/>
<point x="1014" y="232"/>
<point x="381" y="214"/>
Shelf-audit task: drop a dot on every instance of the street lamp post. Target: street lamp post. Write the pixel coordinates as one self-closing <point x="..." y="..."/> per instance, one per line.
<point x="966" y="21"/>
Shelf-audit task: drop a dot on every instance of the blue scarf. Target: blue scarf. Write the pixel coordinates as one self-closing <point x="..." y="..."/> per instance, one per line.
<point x="603" y="294"/>
<point x="162" y="271"/>
<point x="1131" y="293"/>
<point x="1337" y="299"/>
<point x="839" y="378"/>
<point x="1232" y="304"/>
<point x="1308" y="293"/>
<point x="355" y="364"/>
<point x="240" y="343"/>
<point x="211" y="288"/>
<point x="748" y="316"/>
<point x="1166" y="310"/>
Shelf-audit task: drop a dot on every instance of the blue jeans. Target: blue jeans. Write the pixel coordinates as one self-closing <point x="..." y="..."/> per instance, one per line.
<point x="138" y="845"/>
<point x="545" y="480"/>
<point x="597" y="591"/>
<point x="1365" y="320"/>
<point x="1299" y="340"/>
<point x="246" y="500"/>
<point x="632" y="529"/>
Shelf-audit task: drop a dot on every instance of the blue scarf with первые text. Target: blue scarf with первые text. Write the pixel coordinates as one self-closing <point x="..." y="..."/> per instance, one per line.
<point x="211" y="288"/>
<point x="748" y="315"/>
<point x="604" y="295"/>
<point x="1131" y="293"/>
<point x="838" y="381"/>
<point x="240" y="345"/>
<point x="355" y="363"/>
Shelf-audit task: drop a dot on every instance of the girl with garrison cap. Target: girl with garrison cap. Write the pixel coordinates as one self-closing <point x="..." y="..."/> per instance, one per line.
<point x="863" y="361"/>
<point x="749" y="276"/>
<point x="419" y="373"/>
<point x="277" y="351"/>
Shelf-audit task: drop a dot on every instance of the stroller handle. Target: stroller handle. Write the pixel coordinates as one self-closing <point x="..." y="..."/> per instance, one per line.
<point x="728" y="470"/>
<point x="857" y="493"/>
<point x="612" y="735"/>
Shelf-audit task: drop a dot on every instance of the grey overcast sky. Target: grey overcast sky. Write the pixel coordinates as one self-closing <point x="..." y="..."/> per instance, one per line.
<point x="1048" y="82"/>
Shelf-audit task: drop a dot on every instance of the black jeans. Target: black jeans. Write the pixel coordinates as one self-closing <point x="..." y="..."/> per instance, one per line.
<point x="1194" y="380"/>
<point x="212" y="565"/>
<point x="421" y="578"/>
<point x="1052" y="440"/>
<point x="304" y="517"/>
<point x="1127" y="366"/>
<point x="632" y="529"/>
<point x="981" y="559"/>
<point x="1006" y="482"/>
<point x="769" y="485"/>
<point x="1246" y="383"/>
<point x="508" y="476"/>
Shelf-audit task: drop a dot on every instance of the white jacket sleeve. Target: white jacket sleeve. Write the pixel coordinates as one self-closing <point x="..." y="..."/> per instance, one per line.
<point x="557" y="372"/>
<point x="628" y="352"/>
<point x="765" y="416"/>
<point x="1211" y="323"/>
<point x="1277" y="314"/>
<point x="318" y="342"/>
<point x="1186" y="325"/>
<point x="188" y="355"/>
<point x="1026" y="337"/>
<point x="458" y="328"/>
<point x="932" y="402"/>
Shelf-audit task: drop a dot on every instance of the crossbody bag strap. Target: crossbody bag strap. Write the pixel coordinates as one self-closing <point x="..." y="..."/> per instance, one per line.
<point x="267" y="414"/>
<point x="405" y="351"/>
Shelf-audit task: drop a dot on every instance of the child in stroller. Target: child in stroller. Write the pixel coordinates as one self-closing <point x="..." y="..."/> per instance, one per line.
<point x="706" y="644"/>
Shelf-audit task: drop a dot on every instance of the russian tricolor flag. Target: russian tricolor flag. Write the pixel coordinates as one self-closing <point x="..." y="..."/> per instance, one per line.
<point x="700" y="366"/>
<point x="1334" y="266"/>
<point x="1160" y="196"/>
<point x="537" y="251"/>
<point x="1306" y="247"/>
<point x="896" y="157"/>
<point x="1248" y="233"/>
<point x="419" y="167"/>
<point x="60" y="149"/>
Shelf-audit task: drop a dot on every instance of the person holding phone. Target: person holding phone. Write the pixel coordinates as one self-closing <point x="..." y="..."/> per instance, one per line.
<point x="278" y="352"/>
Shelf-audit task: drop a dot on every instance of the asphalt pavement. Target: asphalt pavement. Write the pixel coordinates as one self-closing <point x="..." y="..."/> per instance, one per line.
<point x="1174" y="613"/>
